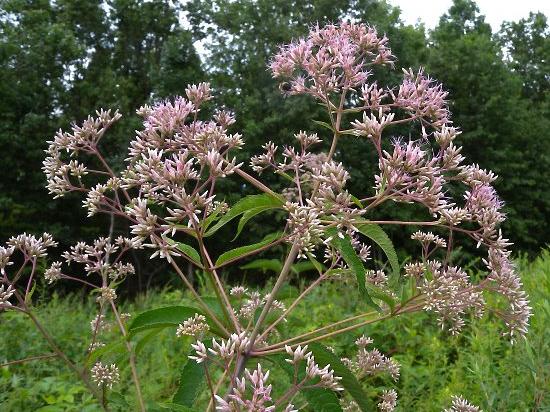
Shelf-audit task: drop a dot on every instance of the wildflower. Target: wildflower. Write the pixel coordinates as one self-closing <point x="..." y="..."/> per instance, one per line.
<point x="238" y="291"/>
<point x="422" y="97"/>
<point x="5" y="253"/>
<point x="327" y="378"/>
<point x="5" y="294"/>
<point x="328" y="59"/>
<point x="377" y="277"/>
<point x="371" y="362"/>
<point x="193" y="326"/>
<point x="363" y="341"/>
<point x="105" y="375"/>
<point x="200" y="350"/>
<point x="107" y="295"/>
<point x="459" y="404"/>
<point x="95" y="345"/>
<point x="120" y="270"/>
<point x="53" y="273"/>
<point x="259" y="398"/>
<point x="450" y="295"/>
<point x="198" y="94"/>
<point x="427" y="238"/>
<point x="298" y="354"/>
<point x="125" y="316"/>
<point x="99" y="323"/>
<point x="32" y="246"/>
<point x="350" y="406"/>
<point x="388" y="401"/>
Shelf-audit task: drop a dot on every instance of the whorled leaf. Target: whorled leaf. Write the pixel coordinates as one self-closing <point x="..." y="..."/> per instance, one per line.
<point x="244" y="205"/>
<point x="378" y="236"/>
<point x="344" y="246"/>
<point x="192" y="380"/>
<point x="243" y="250"/>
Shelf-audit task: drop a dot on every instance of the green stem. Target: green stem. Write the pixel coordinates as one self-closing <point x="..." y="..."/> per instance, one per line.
<point x="131" y="358"/>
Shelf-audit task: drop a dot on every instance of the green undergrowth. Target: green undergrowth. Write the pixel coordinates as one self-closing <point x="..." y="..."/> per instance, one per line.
<point x="478" y="364"/>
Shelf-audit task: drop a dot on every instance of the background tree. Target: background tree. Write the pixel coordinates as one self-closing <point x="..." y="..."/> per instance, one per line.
<point x="500" y="128"/>
<point x="60" y="61"/>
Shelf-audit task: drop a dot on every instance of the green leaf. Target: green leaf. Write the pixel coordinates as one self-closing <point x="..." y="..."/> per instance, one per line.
<point x="324" y="124"/>
<point x="117" y="399"/>
<point x="305" y="266"/>
<point x="318" y="265"/>
<point x="243" y="250"/>
<point x="288" y="292"/>
<point x="172" y="407"/>
<point x="217" y="309"/>
<point x="190" y="252"/>
<point x="187" y="250"/>
<point x="324" y="357"/>
<point x="406" y="289"/>
<point x="192" y="379"/>
<point x="212" y="217"/>
<point x="377" y="235"/>
<point x="357" y="201"/>
<point x="348" y="253"/>
<point x="140" y="345"/>
<point x="264" y="265"/>
<point x="322" y="400"/>
<point x="378" y="293"/>
<point x="249" y="214"/>
<point x="170" y="316"/>
<point x="114" y="348"/>
<point x="244" y="205"/>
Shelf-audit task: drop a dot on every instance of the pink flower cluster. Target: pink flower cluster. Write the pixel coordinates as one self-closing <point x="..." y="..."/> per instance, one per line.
<point x="330" y="59"/>
<point x="333" y="65"/>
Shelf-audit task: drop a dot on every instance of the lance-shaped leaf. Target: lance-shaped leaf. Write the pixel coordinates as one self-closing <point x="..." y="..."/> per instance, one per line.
<point x="264" y="265"/>
<point x="114" y="348"/>
<point x="344" y="246"/>
<point x="378" y="236"/>
<point x="249" y="214"/>
<point x="190" y="252"/>
<point x="324" y="357"/>
<point x="187" y="250"/>
<point x="244" y="205"/>
<point x="305" y="266"/>
<point x="191" y="383"/>
<point x="170" y="316"/>
<point x="244" y="250"/>
<point x="324" y="124"/>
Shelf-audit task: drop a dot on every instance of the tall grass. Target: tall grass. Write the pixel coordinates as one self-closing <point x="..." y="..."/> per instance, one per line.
<point x="478" y="364"/>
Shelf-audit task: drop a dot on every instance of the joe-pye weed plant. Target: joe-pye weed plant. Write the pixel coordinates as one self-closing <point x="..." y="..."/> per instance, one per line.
<point x="167" y="193"/>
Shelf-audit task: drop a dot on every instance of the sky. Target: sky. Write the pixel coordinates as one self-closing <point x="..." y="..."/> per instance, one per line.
<point x="495" y="11"/>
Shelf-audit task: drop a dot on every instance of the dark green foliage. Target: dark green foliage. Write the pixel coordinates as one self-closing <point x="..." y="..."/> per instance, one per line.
<point x="502" y="130"/>
<point x="192" y="380"/>
<point x="60" y="61"/>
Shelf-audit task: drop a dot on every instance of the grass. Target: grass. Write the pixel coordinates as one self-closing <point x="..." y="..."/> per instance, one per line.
<point x="478" y="364"/>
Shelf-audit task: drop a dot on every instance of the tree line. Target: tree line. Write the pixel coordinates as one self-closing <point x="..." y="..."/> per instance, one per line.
<point x="61" y="60"/>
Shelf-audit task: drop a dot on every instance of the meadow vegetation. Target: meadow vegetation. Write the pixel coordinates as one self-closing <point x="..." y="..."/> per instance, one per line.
<point x="434" y="365"/>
